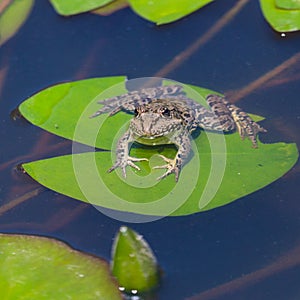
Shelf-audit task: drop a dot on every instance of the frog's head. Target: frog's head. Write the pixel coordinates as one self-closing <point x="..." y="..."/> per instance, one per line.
<point x="152" y="121"/>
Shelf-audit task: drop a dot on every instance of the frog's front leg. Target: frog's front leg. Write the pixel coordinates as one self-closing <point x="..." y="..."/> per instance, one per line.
<point x="183" y="143"/>
<point x="129" y="101"/>
<point x="123" y="159"/>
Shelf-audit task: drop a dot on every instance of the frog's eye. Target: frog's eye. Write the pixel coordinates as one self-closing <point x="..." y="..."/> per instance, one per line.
<point x="166" y="112"/>
<point x="136" y="112"/>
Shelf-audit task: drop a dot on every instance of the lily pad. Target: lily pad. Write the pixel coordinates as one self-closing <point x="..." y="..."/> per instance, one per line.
<point x="64" y="108"/>
<point x="111" y="7"/>
<point x="166" y="11"/>
<point x="12" y="16"/>
<point x="222" y="168"/>
<point x="42" y="268"/>
<point x="288" y="4"/>
<point x="281" y="19"/>
<point x="84" y="177"/>
<point x="133" y="262"/>
<point x="73" y="7"/>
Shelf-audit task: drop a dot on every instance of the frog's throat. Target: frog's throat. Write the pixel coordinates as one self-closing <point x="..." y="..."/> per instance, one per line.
<point x="153" y="141"/>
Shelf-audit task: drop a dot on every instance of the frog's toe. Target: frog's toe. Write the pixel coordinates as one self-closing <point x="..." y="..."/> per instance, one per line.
<point x="167" y="160"/>
<point x="122" y="167"/>
<point x="170" y="166"/>
<point x="131" y="164"/>
<point x="247" y="127"/>
<point x="124" y="163"/>
<point x="251" y="131"/>
<point x="169" y="171"/>
<point x="137" y="159"/>
<point x="170" y="163"/>
<point x="118" y="165"/>
<point x="164" y="175"/>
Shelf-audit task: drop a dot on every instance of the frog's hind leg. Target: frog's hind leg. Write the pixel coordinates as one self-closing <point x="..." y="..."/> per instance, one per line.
<point x="222" y="119"/>
<point x="245" y="125"/>
<point x="231" y="117"/>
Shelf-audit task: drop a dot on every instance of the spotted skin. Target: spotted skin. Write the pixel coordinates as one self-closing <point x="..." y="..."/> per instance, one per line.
<point x="164" y="115"/>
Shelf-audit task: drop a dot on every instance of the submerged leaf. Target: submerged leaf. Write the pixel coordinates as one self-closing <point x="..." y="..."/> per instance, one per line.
<point x="166" y="11"/>
<point x="133" y="262"/>
<point x="13" y="13"/>
<point x="221" y="169"/>
<point x="73" y="7"/>
<point x="38" y="268"/>
<point x="281" y="19"/>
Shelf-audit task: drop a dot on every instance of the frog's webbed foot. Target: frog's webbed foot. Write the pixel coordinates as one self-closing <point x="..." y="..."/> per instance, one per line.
<point x="172" y="166"/>
<point x="246" y="126"/>
<point x="124" y="162"/>
<point x="230" y="117"/>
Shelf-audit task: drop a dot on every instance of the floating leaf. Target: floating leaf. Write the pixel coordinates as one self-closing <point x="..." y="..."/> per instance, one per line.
<point x="288" y="4"/>
<point x="63" y="108"/>
<point x="13" y="13"/>
<point x="133" y="262"/>
<point x="111" y="7"/>
<point x="73" y="7"/>
<point x="165" y="11"/>
<point x="84" y="177"/>
<point x="46" y="269"/>
<point x="222" y="168"/>
<point x="282" y="20"/>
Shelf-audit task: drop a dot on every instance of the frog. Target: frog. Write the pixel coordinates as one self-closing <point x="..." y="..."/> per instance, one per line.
<point x="165" y="115"/>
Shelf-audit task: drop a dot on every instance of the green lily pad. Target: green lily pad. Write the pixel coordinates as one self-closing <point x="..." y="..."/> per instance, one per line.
<point x="111" y="7"/>
<point x="166" y="11"/>
<point x="64" y="110"/>
<point x="288" y="4"/>
<point x="42" y="268"/>
<point x="222" y="168"/>
<point x="133" y="262"/>
<point x="84" y="177"/>
<point x="73" y="7"/>
<point x="12" y="17"/>
<point x="282" y="20"/>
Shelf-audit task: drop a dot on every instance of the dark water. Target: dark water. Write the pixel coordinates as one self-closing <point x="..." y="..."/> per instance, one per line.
<point x="196" y="252"/>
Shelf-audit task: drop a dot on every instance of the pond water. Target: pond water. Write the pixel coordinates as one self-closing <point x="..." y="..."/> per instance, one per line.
<point x="256" y="235"/>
